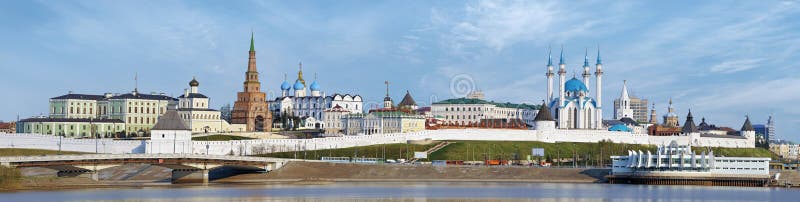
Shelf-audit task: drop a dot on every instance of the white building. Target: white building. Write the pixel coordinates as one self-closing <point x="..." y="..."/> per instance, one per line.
<point x="170" y="135"/>
<point x="674" y="159"/>
<point x="294" y="100"/>
<point x="382" y="122"/>
<point x="467" y="111"/>
<point x="573" y="107"/>
<point x="333" y="119"/>
<point x="193" y="109"/>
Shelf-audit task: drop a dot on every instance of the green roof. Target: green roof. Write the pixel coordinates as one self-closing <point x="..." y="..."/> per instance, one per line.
<point x="479" y="101"/>
<point x="389" y="113"/>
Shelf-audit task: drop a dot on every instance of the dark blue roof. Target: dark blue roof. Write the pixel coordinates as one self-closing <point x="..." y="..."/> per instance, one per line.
<point x="144" y="97"/>
<point x="80" y="97"/>
<point x="193" y="95"/>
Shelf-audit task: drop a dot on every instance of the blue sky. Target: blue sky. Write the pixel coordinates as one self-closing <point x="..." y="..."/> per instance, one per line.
<point x="722" y="59"/>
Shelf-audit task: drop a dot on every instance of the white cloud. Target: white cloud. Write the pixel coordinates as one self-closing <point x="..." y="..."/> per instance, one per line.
<point x="736" y="65"/>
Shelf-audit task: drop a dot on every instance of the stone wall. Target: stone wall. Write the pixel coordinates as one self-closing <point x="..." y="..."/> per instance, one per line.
<point x="261" y="146"/>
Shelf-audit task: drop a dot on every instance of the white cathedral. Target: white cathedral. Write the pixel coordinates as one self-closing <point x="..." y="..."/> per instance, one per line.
<point x="296" y="101"/>
<point x="574" y="108"/>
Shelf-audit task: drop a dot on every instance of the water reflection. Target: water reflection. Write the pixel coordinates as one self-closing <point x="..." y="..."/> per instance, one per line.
<point x="416" y="191"/>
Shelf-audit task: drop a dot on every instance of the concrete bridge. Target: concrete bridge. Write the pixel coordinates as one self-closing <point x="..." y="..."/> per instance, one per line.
<point x="185" y="167"/>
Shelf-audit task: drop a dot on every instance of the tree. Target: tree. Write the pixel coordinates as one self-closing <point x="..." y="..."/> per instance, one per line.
<point x="226" y="112"/>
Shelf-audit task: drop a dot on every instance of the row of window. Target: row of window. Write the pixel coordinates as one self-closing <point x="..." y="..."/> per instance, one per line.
<point x="742" y="161"/>
<point x="60" y="126"/>
<point x="726" y="168"/>
<point x="141" y="120"/>
<point x="199" y="116"/>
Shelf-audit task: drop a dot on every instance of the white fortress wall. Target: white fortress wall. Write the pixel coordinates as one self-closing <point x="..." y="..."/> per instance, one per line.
<point x="256" y="146"/>
<point x="49" y="142"/>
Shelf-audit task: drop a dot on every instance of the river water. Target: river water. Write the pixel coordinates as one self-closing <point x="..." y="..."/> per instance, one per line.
<point x="416" y="191"/>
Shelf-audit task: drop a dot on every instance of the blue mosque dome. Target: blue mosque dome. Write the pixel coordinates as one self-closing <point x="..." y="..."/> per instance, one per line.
<point x="298" y="85"/>
<point x="575" y="85"/>
<point x="286" y="86"/>
<point x="314" y="85"/>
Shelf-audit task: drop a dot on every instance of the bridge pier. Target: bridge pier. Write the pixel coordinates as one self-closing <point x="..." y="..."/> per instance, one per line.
<point x="190" y="176"/>
<point x="273" y="166"/>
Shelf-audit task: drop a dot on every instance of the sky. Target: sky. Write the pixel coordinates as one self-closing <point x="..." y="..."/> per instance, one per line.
<point x="724" y="60"/>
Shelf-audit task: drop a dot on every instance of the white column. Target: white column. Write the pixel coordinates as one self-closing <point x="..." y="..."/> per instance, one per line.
<point x="599" y="89"/>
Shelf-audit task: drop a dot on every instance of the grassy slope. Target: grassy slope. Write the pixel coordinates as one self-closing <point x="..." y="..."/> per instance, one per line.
<point x="220" y="138"/>
<point x="32" y="152"/>
<point x="392" y="151"/>
<point x="476" y="150"/>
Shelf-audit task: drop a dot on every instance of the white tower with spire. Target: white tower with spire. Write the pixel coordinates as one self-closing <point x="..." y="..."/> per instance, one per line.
<point x="586" y="72"/>
<point x="598" y="86"/>
<point x="549" y="75"/>
<point x="562" y="71"/>
<point x="624" y="108"/>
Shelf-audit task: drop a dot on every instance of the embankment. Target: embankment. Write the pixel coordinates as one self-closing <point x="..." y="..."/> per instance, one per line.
<point x="320" y="171"/>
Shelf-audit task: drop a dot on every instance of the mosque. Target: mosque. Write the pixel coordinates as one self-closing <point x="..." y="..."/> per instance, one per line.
<point x="574" y="108"/>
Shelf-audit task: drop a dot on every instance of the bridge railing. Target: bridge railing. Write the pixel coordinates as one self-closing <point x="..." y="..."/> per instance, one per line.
<point x="15" y="159"/>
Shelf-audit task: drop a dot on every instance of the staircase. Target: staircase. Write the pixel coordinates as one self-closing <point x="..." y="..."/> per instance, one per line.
<point x="432" y="149"/>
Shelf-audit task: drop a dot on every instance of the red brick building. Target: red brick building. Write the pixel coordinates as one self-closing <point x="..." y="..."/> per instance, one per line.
<point x="251" y="106"/>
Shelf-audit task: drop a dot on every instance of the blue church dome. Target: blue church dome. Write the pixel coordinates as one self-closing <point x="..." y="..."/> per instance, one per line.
<point x="314" y="86"/>
<point x="286" y="86"/>
<point x="575" y="85"/>
<point x="298" y="85"/>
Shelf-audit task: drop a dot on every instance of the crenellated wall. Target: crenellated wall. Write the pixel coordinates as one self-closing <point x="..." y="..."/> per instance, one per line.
<point x="260" y="146"/>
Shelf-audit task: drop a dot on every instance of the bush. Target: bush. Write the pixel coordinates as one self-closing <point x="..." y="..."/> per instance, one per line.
<point x="220" y="138"/>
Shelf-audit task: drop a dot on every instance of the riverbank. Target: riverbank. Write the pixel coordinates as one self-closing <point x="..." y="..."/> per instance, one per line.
<point x="141" y="175"/>
<point x="347" y="172"/>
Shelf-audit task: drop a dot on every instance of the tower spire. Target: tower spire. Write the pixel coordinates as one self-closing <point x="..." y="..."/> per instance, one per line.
<point x="624" y="89"/>
<point x="586" y="58"/>
<point x="549" y="56"/>
<point x="136" y="82"/>
<point x="300" y="74"/>
<point x="599" y="61"/>
<point x="387" y="88"/>
<point x="252" y="41"/>
<point x="561" y="59"/>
